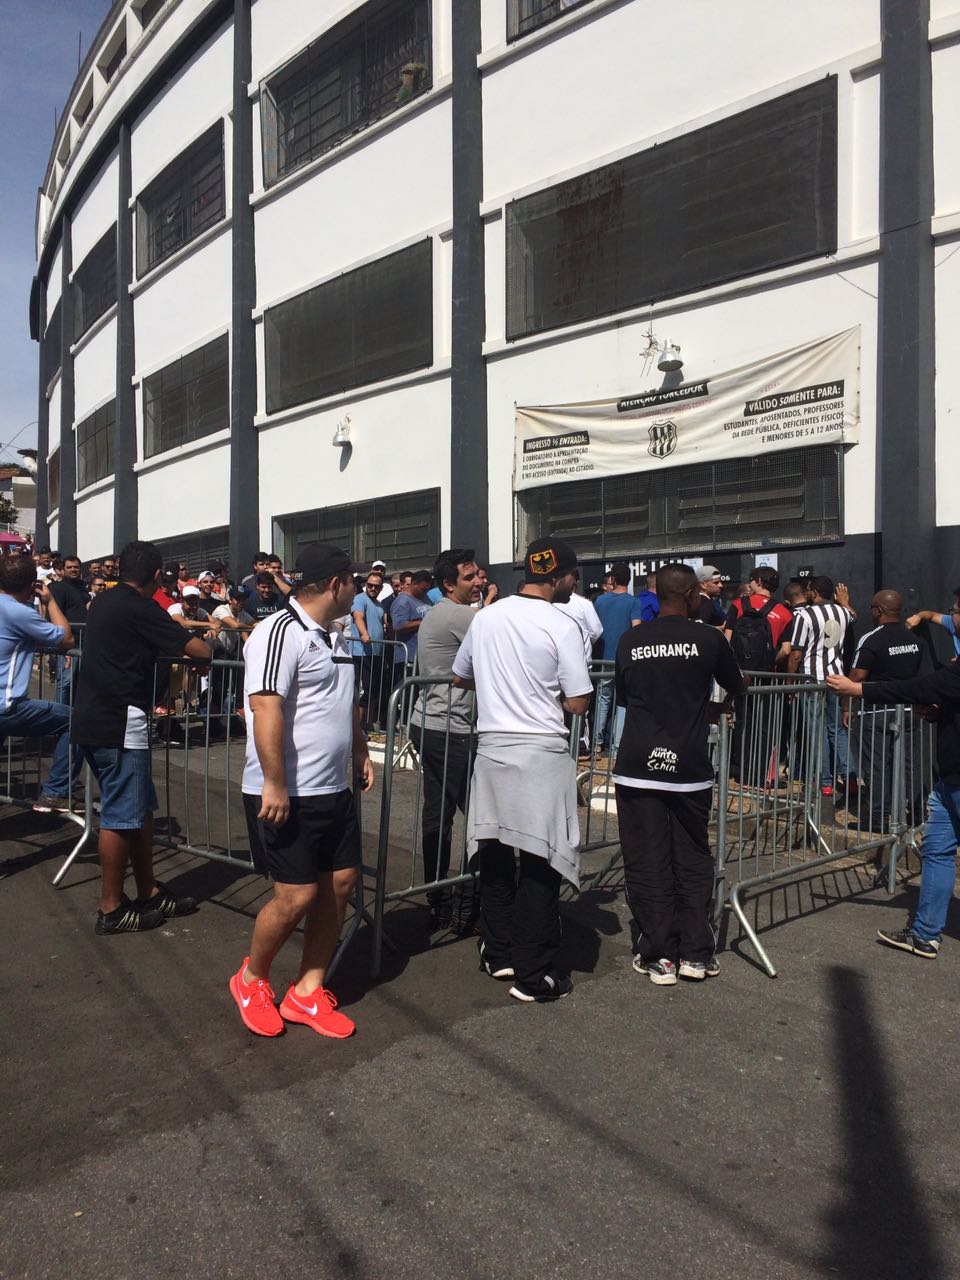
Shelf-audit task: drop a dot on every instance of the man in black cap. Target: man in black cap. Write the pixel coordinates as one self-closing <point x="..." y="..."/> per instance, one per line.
<point x="526" y="662"/>
<point x="305" y="748"/>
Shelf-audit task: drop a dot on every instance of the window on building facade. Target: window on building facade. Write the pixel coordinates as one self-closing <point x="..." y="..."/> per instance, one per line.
<point x="779" y="499"/>
<point x="182" y="201"/>
<point x="52" y="347"/>
<point x="95" y="283"/>
<point x="110" y="68"/>
<point x="527" y="15"/>
<point x="363" y="68"/>
<point x="95" y="445"/>
<point x="403" y="530"/>
<point x="372" y="323"/>
<point x="149" y="10"/>
<point x="747" y="194"/>
<point x="196" y="550"/>
<point x="188" y="399"/>
<point x="53" y="480"/>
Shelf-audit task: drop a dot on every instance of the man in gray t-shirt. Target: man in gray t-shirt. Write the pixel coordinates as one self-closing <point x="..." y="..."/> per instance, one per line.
<point x="442" y="729"/>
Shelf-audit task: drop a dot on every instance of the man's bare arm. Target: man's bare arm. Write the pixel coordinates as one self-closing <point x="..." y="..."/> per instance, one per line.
<point x="267" y="709"/>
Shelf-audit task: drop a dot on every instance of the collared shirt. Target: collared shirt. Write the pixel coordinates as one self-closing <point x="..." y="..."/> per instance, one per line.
<point x="311" y="670"/>
<point x="21" y="631"/>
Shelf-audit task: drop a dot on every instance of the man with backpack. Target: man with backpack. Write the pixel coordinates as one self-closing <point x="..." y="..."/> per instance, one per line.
<point x="755" y="625"/>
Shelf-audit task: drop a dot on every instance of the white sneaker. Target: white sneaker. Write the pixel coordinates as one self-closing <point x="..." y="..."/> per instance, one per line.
<point x="663" y="973"/>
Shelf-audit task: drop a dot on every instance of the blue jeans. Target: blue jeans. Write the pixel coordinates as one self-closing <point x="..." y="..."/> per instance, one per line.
<point x="62" y="691"/>
<point x="605" y="701"/>
<point x="941" y="836"/>
<point x="34" y="718"/>
<point x="836" y="743"/>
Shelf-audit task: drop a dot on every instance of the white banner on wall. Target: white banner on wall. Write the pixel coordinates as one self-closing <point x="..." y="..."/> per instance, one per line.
<point x="808" y="395"/>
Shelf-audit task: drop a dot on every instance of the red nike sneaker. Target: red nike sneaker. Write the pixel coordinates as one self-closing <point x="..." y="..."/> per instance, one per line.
<point x="255" y="1002"/>
<point x="317" y="1010"/>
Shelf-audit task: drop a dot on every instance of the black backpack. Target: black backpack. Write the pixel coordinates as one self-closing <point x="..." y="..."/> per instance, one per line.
<point x="752" y="639"/>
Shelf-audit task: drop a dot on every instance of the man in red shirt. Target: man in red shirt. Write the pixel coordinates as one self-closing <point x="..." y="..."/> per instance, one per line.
<point x="166" y="592"/>
<point x="754" y="626"/>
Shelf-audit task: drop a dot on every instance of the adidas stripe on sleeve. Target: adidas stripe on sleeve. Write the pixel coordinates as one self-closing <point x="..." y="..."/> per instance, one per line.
<point x="271" y="667"/>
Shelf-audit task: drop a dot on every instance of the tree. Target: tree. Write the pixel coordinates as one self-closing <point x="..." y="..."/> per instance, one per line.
<point x="8" y="513"/>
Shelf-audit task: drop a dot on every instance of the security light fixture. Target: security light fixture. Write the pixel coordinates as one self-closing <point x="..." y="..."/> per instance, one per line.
<point x="341" y="436"/>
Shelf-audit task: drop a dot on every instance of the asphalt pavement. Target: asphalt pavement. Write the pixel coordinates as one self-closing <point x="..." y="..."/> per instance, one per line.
<point x="742" y="1127"/>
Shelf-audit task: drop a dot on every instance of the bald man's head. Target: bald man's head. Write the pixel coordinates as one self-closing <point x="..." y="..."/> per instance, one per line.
<point x="889" y="604"/>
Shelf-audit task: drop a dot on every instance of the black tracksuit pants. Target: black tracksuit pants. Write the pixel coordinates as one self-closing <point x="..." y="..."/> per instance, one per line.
<point x="668" y="870"/>
<point x="447" y="760"/>
<point x="519" y="913"/>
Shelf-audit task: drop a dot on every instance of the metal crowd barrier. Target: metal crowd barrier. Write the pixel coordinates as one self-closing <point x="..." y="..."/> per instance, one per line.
<point x="787" y="740"/>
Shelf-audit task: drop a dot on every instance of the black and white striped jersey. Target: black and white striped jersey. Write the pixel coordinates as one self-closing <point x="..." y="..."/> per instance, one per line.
<point x="311" y="670"/>
<point x="820" y="631"/>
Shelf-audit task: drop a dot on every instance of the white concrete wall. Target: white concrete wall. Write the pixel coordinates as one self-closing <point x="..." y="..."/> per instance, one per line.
<point x="184" y="496"/>
<point x="97" y="212"/>
<point x="637" y="71"/>
<point x="54" y="282"/>
<point x="946" y="112"/>
<point x="948" y="380"/>
<point x="197" y="97"/>
<point x="179" y="308"/>
<point x="95" y="525"/>
<point x="401" y="442"/>
<point x="95" y="371"/>
<point x="713" y="337"/>
<point x="374" y="198"/>
<point x="53" y="433"/>
<point x="281" y="28"/>
<point x="52" y="535"/>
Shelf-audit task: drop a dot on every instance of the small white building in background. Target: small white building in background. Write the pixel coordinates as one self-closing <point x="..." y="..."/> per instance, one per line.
<point x="267" y="225"/>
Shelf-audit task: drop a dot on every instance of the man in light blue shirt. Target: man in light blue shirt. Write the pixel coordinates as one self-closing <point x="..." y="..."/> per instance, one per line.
<point x="368" y="630"/>
<point x="408" y="611"/>
<point x="22" y="632"/>
<point x="948" y="621"/>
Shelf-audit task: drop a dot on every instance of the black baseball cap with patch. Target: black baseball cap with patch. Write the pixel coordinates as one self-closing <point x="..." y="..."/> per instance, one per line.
<point x="321" y="561"/>
<point x="546" y="557"/>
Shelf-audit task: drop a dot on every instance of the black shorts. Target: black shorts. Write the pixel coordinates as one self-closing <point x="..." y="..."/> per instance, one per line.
<point x="320" y="835"/>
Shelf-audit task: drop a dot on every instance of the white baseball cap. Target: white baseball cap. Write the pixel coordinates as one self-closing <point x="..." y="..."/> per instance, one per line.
<point x="190" y="591"/>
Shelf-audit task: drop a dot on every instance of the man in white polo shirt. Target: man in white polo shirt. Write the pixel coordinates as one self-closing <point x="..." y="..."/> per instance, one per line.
<point x="527" y="664"/>
<point x="304" y="747"/>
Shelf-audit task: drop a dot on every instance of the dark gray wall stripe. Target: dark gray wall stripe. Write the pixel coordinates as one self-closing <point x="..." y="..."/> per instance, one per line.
<point x="43" y="434"/>
<point x="244" y="455"/>
<point x="125" y="506"/>
<point x="67" y="522"/>
<point x="469" y="516"/>
<point x="906" y="426"/>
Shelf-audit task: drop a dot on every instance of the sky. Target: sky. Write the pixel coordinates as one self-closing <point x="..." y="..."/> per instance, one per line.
<point x="38" y="65"/>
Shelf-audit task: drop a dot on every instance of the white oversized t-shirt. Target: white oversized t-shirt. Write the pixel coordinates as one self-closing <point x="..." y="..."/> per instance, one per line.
<point x="311" y="669"/>
<point x="521" y="653"/>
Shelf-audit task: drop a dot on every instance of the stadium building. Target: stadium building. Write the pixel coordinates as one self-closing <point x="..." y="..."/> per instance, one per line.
<point x="664" y="279"/>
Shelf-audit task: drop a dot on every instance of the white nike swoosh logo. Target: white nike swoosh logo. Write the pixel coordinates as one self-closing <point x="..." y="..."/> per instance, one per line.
<point x="312" y="1010"/>
<point x="245" y="1000"/>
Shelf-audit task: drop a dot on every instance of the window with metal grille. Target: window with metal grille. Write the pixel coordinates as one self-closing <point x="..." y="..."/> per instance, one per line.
<point x="779" y="499"/>
<point x="188" y="399"/>
<point x="527" y="15"/>
<point x="95" y="283"/>
<point x="196" y="550"/>
<point x="371" y="323"/>
<point x="403" y="529"/>
<point x="95" y="445"/>
<point x="53" y="480"/>
<point x="363" y="68"/>
<point x="182" y="201"/>
<point x="744" y="195"/>
<point x="52" y="347"/>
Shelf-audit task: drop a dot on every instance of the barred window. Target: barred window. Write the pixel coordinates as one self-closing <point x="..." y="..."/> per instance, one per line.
<point x="778" y="499"/>
<point x="371" y="323"/>
<point x="53" y="480"/>
<point x="744" y="195"/>
<point x="95" y="283"/>
<point x="188" y="399"/>
<point x="363" y="68"/>
<point x="527" y="15"/>
<point x="402" y="529"/>
<point x="95" y="445"/>
<point x="52" y="347"/>
<point x="181" y="202"/>
<point x="196" y="550"/>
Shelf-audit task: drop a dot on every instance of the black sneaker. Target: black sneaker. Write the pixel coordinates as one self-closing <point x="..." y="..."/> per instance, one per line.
<point x="553" y="986"/>
<point x="907" y="940"/>
<point x="502" y="971"/>
<point x="128" y="918"/>
<point x="168" y="903"/>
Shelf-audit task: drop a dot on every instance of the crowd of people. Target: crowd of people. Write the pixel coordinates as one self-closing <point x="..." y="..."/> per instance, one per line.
<point x="324" y="645"/>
